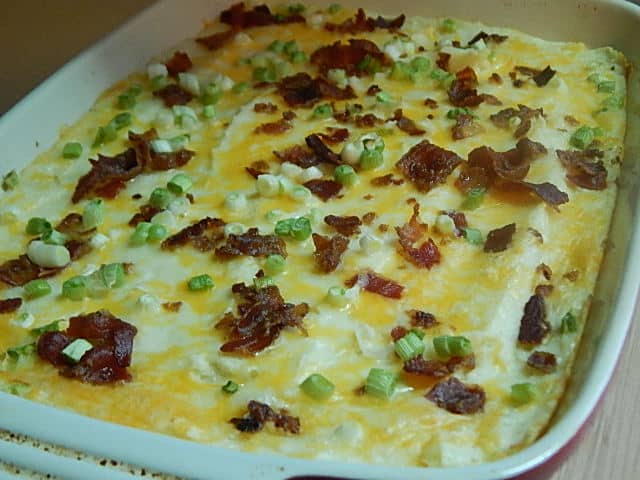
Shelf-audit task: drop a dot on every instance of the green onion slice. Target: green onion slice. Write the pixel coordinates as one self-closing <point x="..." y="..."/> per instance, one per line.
<point x="380" y="383"/>
<point x="76" y="350"/>
<point x="37" y="288"/>
<point x="200" y="282"/>
<point x="317" y="387"/>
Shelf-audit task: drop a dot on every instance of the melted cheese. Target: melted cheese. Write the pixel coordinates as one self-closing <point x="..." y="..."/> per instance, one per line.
<point x="177" y="366"/>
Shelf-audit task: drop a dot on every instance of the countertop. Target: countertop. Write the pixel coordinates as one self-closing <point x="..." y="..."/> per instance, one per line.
<point x="38" y="36"/>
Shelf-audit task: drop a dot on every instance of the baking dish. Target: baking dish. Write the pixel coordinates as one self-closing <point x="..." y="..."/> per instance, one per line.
<point x="608" y="23"/>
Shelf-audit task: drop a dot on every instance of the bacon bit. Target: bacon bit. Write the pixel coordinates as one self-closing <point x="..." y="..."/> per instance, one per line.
<point x="72" y="226"/>
<point x="172" y="306"/>
<point x="367" y="120"/>
<point x="426" y="255"/>
<point x="106" y="362"/>
<point x="347" y="226"/>
<point x="300" y="90"/>
<point x="324" y="189"/>
<point x="263" y="315"/>
<point x="368" y="196"/>
<point x="572" y="121"/>
<point x="289" y="115"/>
<point x="253" y="244"/>
<point x="324" y="153"/>
<point x="298" y="155"/>
<point x="456" y="397"/>
<point x="267" y="107"/>
<point x="257" y="168"/>
<point x="202" y="235"/>
<point x="536" y="234"/>
<point x="548" y="192"/>
<point x="153" y="161"/>
<point x="422" y="319"/>
<point x="515" y="81"/>
<point x="386" y="180"/>
<point x="427" y="165"/>
<point x="431" y="103"/>
<point x="544" y="362"/>
<point x="462" y="92"/>
<point x="348" y="57"/>
<point x="360" y="23"/>
<point x="582" y="172"/>
<point x="216" y="41"/>
<point x="499" y="239"/>
<point x="136" y="196"/>
<point x="572" y="276"/>
<point x="502" y="118"/>
<point x="21" y="270"/>
<point x="260" y="413"/>
<point x="465" y="127"/>
<point x="540" y="77"/>
<point x="368" y="218"/>
<point x="173" y="94"/>
<point x="373" y="89"/>
<point x="107" y="175"/>
<point x="443" y="61"/>
<point x="487" y="37"/>
<point x="374" y="283"/>
<point x="439" y="368"/>
<point x="545" y="270"/>
<point x="398" y="332"/>
<point x="191" y="198"/>
<point x="544" y="290"/>
<point x="259" y="16"/>
<point x="534" y="325"/>
<point x="335" y="135"/>
<point x="490" y="99"/>
<point x="495" y="78"/>
<point x="459" y="221"/>
<point x="274" y="128"/>
<point x="329" y="251"/>
<point x="145" y="214"/>
<point x="406" y="124"/>
<point x="178" y="63"/>
<point x="77" y="249"/>
<point x="383" y="227"/>
<point x="9" y="305"/>
<point x="544" y="76"/>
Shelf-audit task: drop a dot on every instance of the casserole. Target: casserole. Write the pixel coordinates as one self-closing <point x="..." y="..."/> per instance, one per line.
<point x="452" y="472"/>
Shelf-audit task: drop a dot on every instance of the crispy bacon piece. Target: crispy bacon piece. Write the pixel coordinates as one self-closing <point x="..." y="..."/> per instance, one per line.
<point x="329" y="251"/>
<point x="534" y="326"/>
<point x="260" y="413"/>
<point x="347" y="226"/>
<point x="456" y="397"/>
<point x="334" y="135"/>
<point x="465" y="127"/>
<point x="21" y="270"/>
<point x="348" y="57"/>
<point x="545" y="270"/>
<point x="106" y="362"/>
<point x="257" y="168"/>
<point x="298" y="155"/>
<point x="265" y="107"/>
<point x="386" y="180"/>
<point x="274" y="128"/>
<point x="582" y="170"/>
<point x="540" y="77"/>
<point x="372" y="90"/>
<point x="398" y="332"/>
<point x="525" y="114"/>
<point x="263" y="314"/>
<point x="172" y="306"/>
<point x="324" y="189"/>
<point x="439" y="368"/>
<point x="368" y="120"/>
<point x="487" y="37"/>
<point x="496" y="78"/>
<point x="368" y="218"/>
<point x="548" y="192"/>
<point x="544" y="76"/>
<point x="427" y="165"/>
<point x="323" y="153"/>
<point x="216" y="41"/>
<point x="77" y="248"/>
<point x="152" y="160"/>
<point x="107" y="175"/>
<point x="238" y="18"/>
<point x="202" y="235"/>
<point x="178" y="63"/>
<point x="300" y="90"/>
<point x="426" y="255"/>
<point x="463" y="90"/>
<point x="544" y="290"/>
<point x="431" y="103"/>
<point x="374" y="283"/>
<point x="406" y="124"/>
<point x="443" y="61"/>
<point x="422" y="319"/>
<point x="544" y="362"/>
<point x="173" y="94"/>
<point x="499" y="239"/>
<point x="145" y="214"/>
<point x="459" y="221"/>
<point x="253" y="244"/>
<point x="9" y="305"/>
<point x="360" y="23"/>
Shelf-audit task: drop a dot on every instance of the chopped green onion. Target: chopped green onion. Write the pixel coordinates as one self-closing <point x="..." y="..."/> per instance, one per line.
<point x="417" y="332"/>
<point x="10" y="181"/>
<point x="268" y="185"/>
<point x="72" y="150"/>
<point x="49" y="256"/>
<point x="127" y="99"/>
<point x="346" y="175"/>
<point x="323" y="111"/>
<point x="582" y="137"/>
<point x="54" y="326"/>
<point x="383" y="97"/>
<point x="474" y="199"/>
<point x="290" y="47"/>
<point x="296" y="8"/>
<point x="337" y="296"/>
<point x="212" y="94"/>
<point x="452" y="346"/>
<point x="300" y="193"/>
<point x="299" y="57"/>
<point x="178" y="142"/>
<point x="180" y="184"/>
<point x="76" y="350"/>
<point x="230" y="387"/>
<point x="607" y="86"/>
<point x="159" y="82"/>
<point x="189" y="82"/>
<point x="265" y="74"/>
<point x="473" y="236"/>
<point x="420" y="64"/>
<point x="157" y="232"/>
<point x="104" y="135"/>
<point x="409" y="346"/>
<point x="240" y="87"/>
<point x="274" y="265"/>
<point x="441" y="76"/>
<point x="299" y="228"/>
<point x="235" y="201"/>
<point x="611" y="102"/>
<point x="141" y="234"/>
<point x="53" y="237"/>
<point x="369" y="64"/>
<point x="380" y="383"/>
<point x="160" y="198"/>
<point x="182" y="112"/>
<point x="522" y="393"/>
<point x="93" y="214"/>
<point x="75" y="288"/>
<point x="37" y="288"/>
<point x="26" y="350"/>
<point x="18" y="388"/>
<point x="112" y="275"/>
<point x="337" y="76"/>
<point x="121" y="120"/>
<point x="334" y="8"/>
<point x="160" y="145"/>
<point x="370" y="159"/>
<point x="595" y="78"/>
<point x="402" y="71"/>
<point x="37" y="226"/>
<point x="209" y="111"/>
<point x="200" y="282"/>
<point x="445" y="224"/>
<point x="455" y="112"/>
<point x="96" y="287"/>
<point x="262" y="282"/>
<point x="273" y="215"/>
<point x="317" y="387"/>
<point x="448" y="25"/>
<point x="568" y="324"/>
<point x="276" y="46"/>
